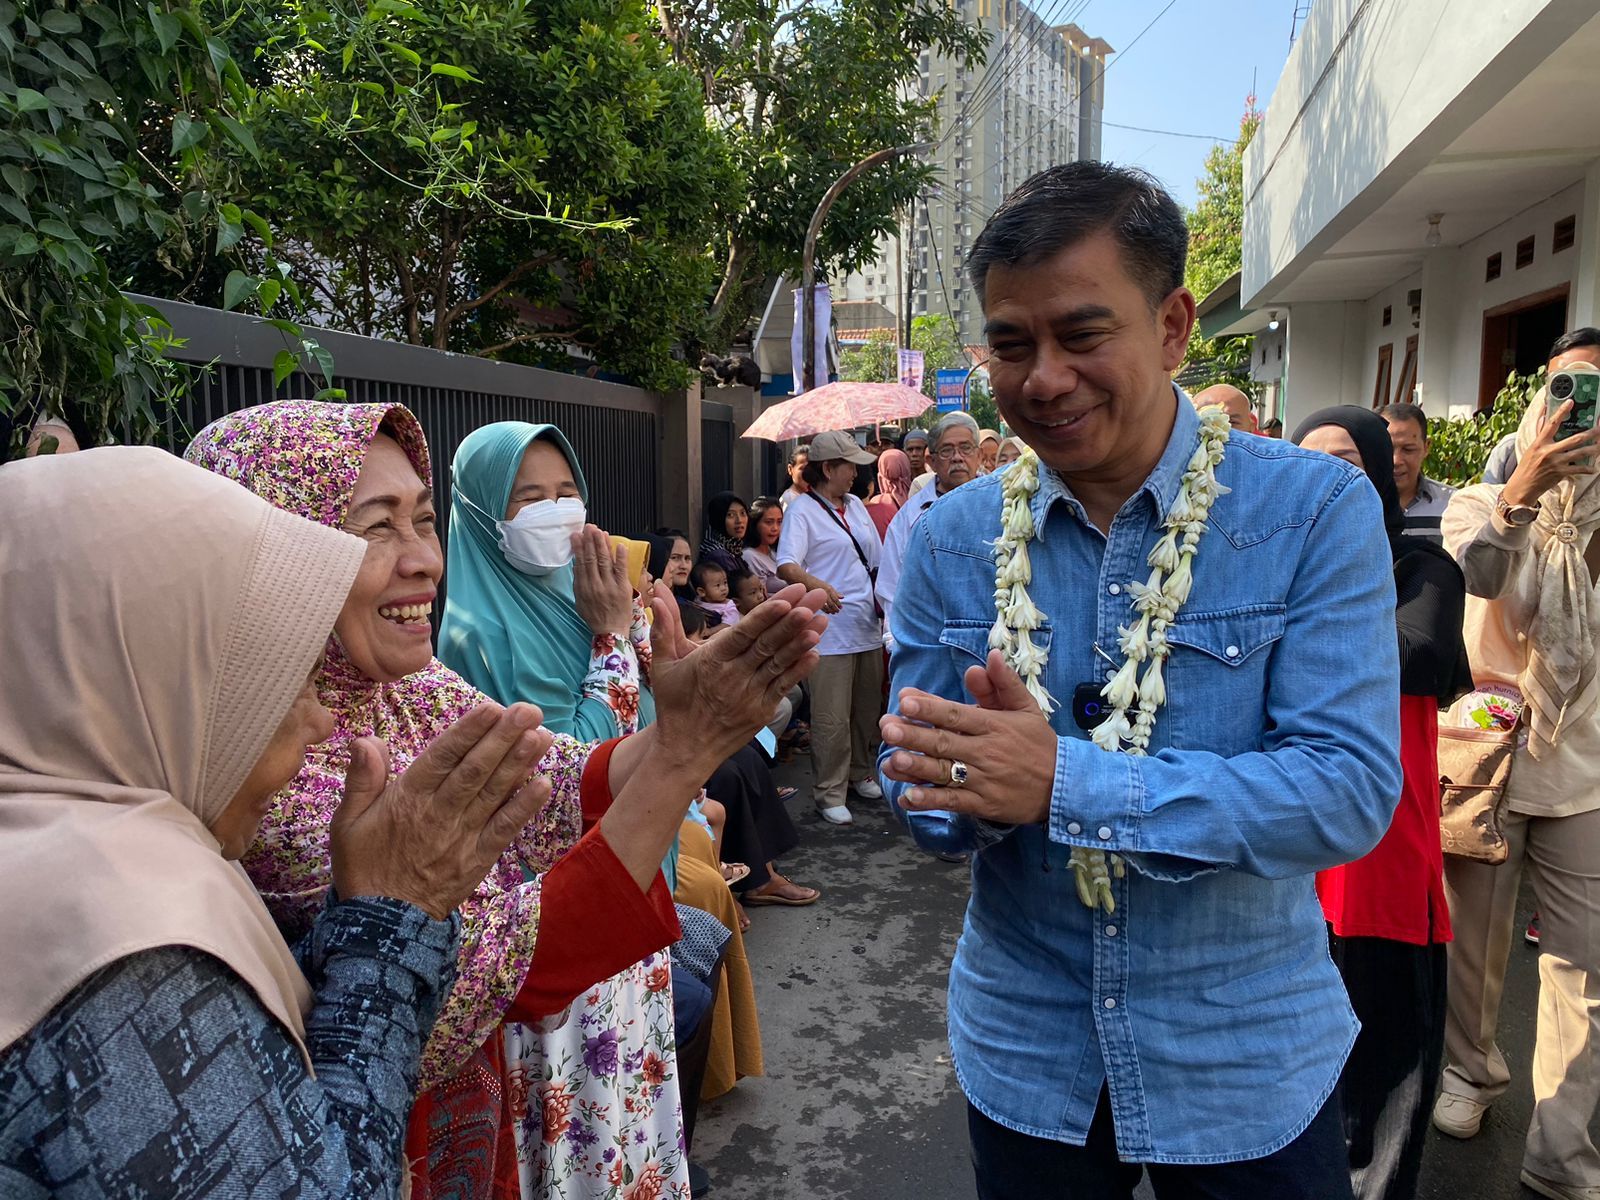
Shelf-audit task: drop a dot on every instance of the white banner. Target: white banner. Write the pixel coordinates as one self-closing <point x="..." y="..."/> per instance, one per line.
<point x="911" y="369"/>
<point x="823" y="322"/>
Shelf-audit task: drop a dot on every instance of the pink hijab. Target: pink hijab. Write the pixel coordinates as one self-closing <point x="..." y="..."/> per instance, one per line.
<point x="305" y="456"/>
<point x="170" y="620"/>
<point x="894" y="476"/>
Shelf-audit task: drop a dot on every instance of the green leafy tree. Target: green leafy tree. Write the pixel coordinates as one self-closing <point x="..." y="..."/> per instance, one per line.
<point x="411" y="152"/>
<point x="84" y="88"/>
<point x="804" y="89"/>
<point x="1216" y="240"/>
<point x="1459" y="447"/>
<point x="877" y="360"/>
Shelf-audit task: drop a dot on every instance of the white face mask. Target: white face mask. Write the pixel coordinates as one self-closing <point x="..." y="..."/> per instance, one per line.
<point x="538" y="539"/>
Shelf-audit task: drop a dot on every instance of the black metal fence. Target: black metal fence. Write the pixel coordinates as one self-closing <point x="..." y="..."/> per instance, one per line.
<point x="716" y="448"/>
<point x="616" y="430"/>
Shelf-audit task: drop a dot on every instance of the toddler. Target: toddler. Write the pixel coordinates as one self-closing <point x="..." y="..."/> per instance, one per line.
<point x="747" y="591"/>
<point x="710" y="583"/>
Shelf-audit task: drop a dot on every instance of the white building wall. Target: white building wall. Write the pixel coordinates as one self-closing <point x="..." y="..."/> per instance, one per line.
<point x="1366" y="97"/>
<point x="1374" y="336"/>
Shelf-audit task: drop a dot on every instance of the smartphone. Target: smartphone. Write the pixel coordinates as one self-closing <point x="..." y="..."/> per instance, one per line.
<point x="1583" y="389"/>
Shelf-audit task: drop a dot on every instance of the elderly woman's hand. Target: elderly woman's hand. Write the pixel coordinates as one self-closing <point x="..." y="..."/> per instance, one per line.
<point x="717" y="695"/>
<point x="600" y="587"/>
<point x="430" y="835"/>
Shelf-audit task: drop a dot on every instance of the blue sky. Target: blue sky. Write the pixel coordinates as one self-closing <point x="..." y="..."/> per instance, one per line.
<point x="1189" y="73"/>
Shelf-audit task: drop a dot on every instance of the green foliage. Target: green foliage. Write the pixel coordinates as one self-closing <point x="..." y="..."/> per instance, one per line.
<point x="802" y="91"/>
<point x="83" y="87"/>
<point x="1458" y="448"/>
<point x="410" y="153"/>
<point x="1216" y="240"/>
<point x="877" y="360"/>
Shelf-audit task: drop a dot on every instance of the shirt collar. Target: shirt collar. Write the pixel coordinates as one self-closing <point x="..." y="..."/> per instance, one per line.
<point x="1161" y="485"/>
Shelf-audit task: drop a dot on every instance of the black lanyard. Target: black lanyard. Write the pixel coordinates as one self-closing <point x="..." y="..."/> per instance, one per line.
<point x="872" y="576"/>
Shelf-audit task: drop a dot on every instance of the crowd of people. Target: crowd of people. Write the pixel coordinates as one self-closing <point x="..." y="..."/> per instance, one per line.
<point x="312" y="906"/>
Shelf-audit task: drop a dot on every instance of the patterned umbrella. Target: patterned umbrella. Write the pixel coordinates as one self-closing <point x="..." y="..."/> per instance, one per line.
<point x="837" y="406"/>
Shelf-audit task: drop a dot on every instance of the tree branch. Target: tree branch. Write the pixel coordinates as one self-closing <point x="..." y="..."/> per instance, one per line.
<point x="534" y="335"/>
<point x="520" y="271"/>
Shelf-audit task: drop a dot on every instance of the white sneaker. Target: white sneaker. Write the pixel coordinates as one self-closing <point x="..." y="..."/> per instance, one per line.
<point x="1558" y="1191"/>
<point x="837" y="815"/>
<point x="867" y="789"/>
<point x="1459" y="1117"/>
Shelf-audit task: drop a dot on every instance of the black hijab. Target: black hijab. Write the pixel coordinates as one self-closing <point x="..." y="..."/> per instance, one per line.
<point x="1430" y="591"/>
<point x="717" y="525"/>
<point x="661" y="543"/>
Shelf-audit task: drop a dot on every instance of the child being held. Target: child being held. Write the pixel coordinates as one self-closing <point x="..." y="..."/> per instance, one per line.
<point x="698" y="624"/>
<point x="746" y="590"/>
<point x="710" y="583"/>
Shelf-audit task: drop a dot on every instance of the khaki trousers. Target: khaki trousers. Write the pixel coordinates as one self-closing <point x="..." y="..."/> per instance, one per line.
<point x="1563" y="854"/>
<point x="846" y="700"/>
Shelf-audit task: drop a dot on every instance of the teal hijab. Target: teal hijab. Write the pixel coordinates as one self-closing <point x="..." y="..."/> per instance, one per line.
<point x="511" y="635"/>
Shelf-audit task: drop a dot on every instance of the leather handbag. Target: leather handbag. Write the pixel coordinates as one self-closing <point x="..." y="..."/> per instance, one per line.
<point x="1474" y="768"/>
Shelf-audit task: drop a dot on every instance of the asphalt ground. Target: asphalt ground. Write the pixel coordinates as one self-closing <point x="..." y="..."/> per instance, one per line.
<point x="860" y="1102"/>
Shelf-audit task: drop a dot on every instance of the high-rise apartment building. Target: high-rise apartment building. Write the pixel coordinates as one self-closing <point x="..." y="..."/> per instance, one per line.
<point x="1036" y="102"/>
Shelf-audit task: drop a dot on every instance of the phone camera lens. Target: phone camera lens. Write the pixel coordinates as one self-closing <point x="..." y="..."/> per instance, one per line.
<point x="1561" y="387"/>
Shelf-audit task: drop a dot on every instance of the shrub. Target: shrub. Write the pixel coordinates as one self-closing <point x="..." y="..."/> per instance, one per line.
<point x="1459" y="447"/>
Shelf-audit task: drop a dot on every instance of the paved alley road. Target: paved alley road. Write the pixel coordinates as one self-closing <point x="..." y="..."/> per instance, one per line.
<point x="860" y="1103"/>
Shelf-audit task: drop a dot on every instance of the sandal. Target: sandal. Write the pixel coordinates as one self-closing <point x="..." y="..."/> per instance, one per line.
<point x="785" y="792"/>
<point x="732" y="873"/>
<point x="756" y="899"/>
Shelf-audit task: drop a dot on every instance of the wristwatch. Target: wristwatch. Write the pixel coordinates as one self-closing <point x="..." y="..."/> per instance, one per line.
<point x="1516" y="515"/>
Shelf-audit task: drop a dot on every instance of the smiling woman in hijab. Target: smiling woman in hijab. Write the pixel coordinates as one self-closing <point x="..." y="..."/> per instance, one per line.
<point x="1387" y="911"/>
<point x="157" y="1035"/>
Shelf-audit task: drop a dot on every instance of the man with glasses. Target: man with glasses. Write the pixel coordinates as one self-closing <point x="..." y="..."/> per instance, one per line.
<point x="953" y="453"/>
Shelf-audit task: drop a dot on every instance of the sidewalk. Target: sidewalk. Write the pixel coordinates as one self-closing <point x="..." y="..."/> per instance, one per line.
<point x="860" y="1102"/>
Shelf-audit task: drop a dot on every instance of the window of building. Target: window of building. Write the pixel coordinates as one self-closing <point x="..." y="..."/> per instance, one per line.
<point x="1491" y="267"/>
<point x="1564" y="235"/>
<point x="1388" y="315"/>
<point x="1525" y="252"/>
<point x="1380" y="390"/>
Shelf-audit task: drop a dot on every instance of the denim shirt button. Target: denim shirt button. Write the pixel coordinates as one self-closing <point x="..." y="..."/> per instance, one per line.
<point x="1074" y="828"/>
<point x="1232" y="652"/>
<point x="1111" y="931"/>
<point x="1115" y="589"/>
<point x="1104" y="833"/>
<point x="1110" y="1001"/>
<point x="1111" y="673"/>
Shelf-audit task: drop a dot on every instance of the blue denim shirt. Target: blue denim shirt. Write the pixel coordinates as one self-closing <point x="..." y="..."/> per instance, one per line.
<point x="1207" y="1001"/>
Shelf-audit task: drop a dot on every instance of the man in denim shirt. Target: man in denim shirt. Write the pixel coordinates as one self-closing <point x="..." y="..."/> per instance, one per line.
<point x="1199" y="1028"/>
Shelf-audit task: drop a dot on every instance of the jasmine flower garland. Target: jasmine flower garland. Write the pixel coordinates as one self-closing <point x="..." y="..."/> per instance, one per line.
<point x="1156" y="602"/>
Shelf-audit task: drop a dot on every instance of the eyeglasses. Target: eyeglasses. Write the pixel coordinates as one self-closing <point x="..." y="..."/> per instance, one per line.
<point x="946" y="453"/>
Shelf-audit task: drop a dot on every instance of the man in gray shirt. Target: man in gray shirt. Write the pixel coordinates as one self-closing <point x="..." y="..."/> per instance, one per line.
<point x="1423" y="499"/>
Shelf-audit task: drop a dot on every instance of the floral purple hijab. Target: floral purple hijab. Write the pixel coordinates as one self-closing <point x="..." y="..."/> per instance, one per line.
<point x="305" y="456"/>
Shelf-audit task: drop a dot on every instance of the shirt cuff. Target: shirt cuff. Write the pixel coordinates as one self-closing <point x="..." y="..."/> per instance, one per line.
<point x="594" y="786"/>
<point x="1098" y="803"/>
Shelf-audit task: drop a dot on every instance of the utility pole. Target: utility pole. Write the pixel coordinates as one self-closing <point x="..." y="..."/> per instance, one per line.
<point x="808" y="270"/>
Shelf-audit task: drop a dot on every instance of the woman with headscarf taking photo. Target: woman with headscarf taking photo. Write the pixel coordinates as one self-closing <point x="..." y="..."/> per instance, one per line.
<point x="1530" y="556"/>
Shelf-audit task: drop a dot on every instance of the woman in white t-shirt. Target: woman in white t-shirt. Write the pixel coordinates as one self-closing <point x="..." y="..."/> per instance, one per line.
<point x="830" y="542"/>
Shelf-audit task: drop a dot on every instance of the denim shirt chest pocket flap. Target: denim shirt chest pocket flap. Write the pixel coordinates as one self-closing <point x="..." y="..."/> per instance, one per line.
<point x="970" y="641"/>
<point x="1220" y="658"/>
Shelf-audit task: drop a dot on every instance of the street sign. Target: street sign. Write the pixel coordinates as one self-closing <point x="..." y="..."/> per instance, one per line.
<point x="950" y="389"/>
<point x="911" y="369"/>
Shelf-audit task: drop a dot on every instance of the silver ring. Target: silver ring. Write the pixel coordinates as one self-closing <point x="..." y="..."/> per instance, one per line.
<point x="958" y="773"/>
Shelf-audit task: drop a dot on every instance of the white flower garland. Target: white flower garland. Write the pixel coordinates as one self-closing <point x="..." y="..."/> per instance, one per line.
<point x="1156" y="601"/>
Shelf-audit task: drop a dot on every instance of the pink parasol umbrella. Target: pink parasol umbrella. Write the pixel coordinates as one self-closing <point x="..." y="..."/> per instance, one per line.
<point x="837" y="406"/>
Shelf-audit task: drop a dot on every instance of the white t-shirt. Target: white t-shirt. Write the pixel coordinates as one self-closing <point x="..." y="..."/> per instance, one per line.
<point x="813" y="540"/>
<point x="790" y="495"/>
<point x="894" y="551"/>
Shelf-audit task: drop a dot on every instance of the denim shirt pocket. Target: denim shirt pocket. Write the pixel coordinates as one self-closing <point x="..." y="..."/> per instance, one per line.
<point x="969" y="641"/>
<point x="1216" y="677"/>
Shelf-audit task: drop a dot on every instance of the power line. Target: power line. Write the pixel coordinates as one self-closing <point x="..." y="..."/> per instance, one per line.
<point x="989" y="94"/>
<point x="1204" y="137"/>
<point x="1079" y="94"/>
<point x="938" y="262"/>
